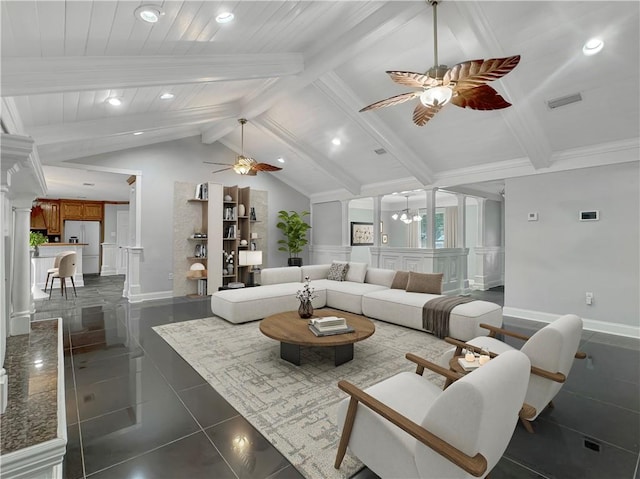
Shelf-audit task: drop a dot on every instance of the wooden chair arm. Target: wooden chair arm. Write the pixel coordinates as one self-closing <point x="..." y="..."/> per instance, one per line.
<point x="580" y="355"/>
<point x="423" y="363"/>
<point x="494" y="330"/>
<point x="476" y="465"/>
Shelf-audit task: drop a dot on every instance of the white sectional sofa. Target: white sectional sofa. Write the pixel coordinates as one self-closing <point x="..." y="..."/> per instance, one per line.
<point x="365" y="290"/>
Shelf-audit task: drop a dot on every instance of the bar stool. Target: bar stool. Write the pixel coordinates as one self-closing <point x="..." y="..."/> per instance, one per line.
<point x="56" y="266"/>
<point x="66" y="269"/>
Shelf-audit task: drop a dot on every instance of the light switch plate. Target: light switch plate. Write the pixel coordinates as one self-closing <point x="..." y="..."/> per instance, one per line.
<point x="532" y="216"/>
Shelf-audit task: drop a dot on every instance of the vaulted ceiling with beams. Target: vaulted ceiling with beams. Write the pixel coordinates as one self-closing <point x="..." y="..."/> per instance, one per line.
<point x="300" y="71"/>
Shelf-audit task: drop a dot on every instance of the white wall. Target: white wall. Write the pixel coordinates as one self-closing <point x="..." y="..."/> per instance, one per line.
<point x="182" y="160"/>
<point x="551" y="263"/>
<point x="471" y="235"/>
<point x="327" y="223"/>
<point x="492" y="223"/>
<point x="360" y="215"/>
<point x="110" y="222"/>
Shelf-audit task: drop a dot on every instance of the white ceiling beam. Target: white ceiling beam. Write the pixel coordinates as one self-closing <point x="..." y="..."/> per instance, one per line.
<point x="336" y="90"/>
<point x="91" y="129"/>
<point x="57" y="153"/>
<point x="475" y="36"/>
<point x="382" y="20"/>
<point x="307" y="152"/>
<point x="28" y="76"/>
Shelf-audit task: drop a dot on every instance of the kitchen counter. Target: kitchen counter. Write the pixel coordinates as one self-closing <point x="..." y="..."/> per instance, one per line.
<point x="47" y="245"/>
<point x="44" y="261"/>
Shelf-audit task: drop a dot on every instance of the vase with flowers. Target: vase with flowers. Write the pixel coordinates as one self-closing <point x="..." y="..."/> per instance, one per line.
<point x="228" y="261"/>
<point x="305" y="295"/>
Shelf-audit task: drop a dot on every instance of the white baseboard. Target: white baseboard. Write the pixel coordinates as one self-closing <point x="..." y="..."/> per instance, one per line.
<point x="139" y="298"/>
<point x="588" y="324"/>
<point x="108" y="272"/>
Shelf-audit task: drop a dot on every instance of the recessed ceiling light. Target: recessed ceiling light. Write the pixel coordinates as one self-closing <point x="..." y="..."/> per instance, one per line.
<point x="280" y="160"/>
<point x="336" y="141"/>
<point x="114" y="101"/>
<point x="138" y="133"/>
<point x="593" y="46"/>
<point x="225" y="17"/>
<point x="149" y="13"/>
<point x="167" y="96"/>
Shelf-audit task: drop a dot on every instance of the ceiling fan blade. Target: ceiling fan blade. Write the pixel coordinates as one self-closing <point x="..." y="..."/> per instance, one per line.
<point x="422" y="114"/>
<point x="482" y="97"/>
<point x="223" y="169"/>
<point x="265" y="167"/>
<point x="214" y="163"/>
<point x="477" y="72"/>
<point x="394" y="100"/>
<point x="252" y="172"/>
<point x="413" y="79"/>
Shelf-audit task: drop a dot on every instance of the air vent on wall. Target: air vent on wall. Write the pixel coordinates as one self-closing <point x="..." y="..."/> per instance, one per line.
<point x="565" y="100"/>
<point x="380" y="151"/>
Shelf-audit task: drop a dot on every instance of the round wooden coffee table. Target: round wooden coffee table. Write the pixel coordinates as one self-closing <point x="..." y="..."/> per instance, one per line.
<point x="293" y="332"/>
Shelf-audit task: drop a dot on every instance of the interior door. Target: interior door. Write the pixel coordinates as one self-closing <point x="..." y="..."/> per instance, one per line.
<point x="122" y="240"/>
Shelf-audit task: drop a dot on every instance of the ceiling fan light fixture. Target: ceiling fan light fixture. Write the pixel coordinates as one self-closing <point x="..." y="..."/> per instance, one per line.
<point x="436" y="96"/>
<point x="592" y="47"/>
<point x="395" y="216"/>
<point x="225" y="17"/>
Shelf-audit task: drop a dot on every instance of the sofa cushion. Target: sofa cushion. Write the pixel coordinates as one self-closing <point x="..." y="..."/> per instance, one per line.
<point x="379" y="276"/>
<point x="400" y="280"/>
<point x="315" y="271"/>
<point x="345" y="295"/>
<point x="430" y="283"/>
<point x="356" y="272"/>
<point x="337" y="271"/>
<point x="290" y="274"/>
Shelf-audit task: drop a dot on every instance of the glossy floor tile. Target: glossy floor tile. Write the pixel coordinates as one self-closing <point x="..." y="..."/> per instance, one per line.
<point x="137" y="410"/>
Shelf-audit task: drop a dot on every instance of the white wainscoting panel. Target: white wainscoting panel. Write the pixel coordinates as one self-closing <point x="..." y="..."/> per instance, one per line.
<point x="324" y="254"/>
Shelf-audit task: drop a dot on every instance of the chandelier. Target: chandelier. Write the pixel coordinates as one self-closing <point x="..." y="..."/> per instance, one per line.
<point x="405" y="215"/>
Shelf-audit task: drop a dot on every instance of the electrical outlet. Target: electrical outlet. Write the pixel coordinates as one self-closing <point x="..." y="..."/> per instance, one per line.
<point x="589" y="298"/>
<point x="171" y="276"/>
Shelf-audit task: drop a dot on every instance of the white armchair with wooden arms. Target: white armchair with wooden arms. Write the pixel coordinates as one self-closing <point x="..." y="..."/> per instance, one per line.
<point x="407" y="427"/>
<point x="551" y="351"/>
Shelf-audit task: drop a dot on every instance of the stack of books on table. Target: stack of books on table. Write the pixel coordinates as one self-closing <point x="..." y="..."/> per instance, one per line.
<point x="329" y="326"/>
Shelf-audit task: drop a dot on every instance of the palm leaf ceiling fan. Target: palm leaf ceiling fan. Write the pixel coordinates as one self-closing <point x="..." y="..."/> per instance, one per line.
<point x="245" y="165"/>
<point x="464" y="84"/>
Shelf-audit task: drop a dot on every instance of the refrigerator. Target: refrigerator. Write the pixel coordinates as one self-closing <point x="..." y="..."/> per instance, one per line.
<point x="87" y="232"/>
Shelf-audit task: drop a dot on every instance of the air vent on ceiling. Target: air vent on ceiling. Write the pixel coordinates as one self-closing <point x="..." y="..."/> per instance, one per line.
<point x="88" y="184"/>
<point x="380" y="151"/>
<point x="565" y="100"/>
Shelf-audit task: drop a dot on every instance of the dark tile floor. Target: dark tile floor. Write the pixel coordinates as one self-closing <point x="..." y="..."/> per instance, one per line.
<point x="135" y="409"/>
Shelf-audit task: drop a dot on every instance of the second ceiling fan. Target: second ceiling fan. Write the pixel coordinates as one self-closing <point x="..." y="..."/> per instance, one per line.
<point x="464" y="84"/>
<point x="245" y="165"/>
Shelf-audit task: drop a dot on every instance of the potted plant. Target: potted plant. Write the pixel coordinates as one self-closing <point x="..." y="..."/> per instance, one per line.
<point x="294" y="229"/>
<point x="36" y="239"/>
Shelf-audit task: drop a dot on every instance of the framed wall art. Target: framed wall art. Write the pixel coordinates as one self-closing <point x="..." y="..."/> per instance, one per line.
<point x="361" y="234"/>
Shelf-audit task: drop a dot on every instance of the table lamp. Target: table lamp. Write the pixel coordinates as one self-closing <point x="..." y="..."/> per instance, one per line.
<point x="250" y="258"/>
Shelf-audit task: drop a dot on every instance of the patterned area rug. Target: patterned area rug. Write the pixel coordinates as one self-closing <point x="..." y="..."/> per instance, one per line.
<point x="294" y="407"/>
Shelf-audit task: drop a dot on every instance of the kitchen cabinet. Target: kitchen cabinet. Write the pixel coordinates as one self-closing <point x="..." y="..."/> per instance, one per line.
<point x="81" y="210"/>
<point x="51" y="216"/>
<point x="37" y="218"/>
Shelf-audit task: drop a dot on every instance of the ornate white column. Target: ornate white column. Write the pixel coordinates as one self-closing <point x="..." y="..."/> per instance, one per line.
<point x="5" y="216"/>
<point x="109" y="259"/>
<point x="344" y="204"/>
<point x="461" y="240"/>
<point x="21" y="283"/>
<point x="431" y="218"/>
<point x="134" y="259"/>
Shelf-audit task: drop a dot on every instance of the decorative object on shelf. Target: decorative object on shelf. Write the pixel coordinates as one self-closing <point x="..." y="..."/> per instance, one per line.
<point x="252" y="214"/>
<point x="305" y="295"/>
<point x="228" y="198"/>
<point x="197" y="270"/>
<point x="241" y="210"/>
<point x="35" y="240"/>
<point x="228" y="261"/>
<point x="243" y="242"/>
<point x="294" y="228"/>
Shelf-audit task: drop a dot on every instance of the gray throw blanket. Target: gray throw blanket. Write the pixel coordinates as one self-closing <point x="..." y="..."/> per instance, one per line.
<point x="435" y="313"/>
